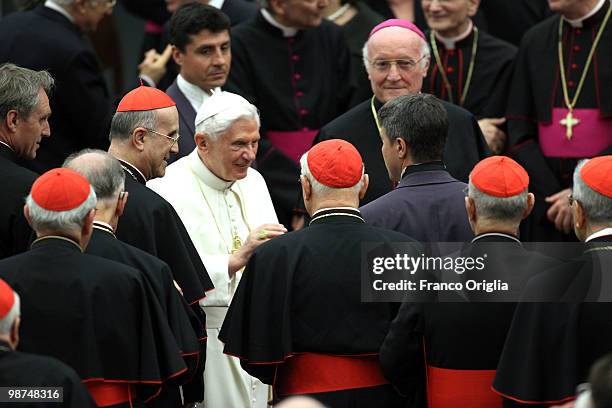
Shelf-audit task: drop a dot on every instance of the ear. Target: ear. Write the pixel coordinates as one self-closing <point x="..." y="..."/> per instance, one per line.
<point x="138" y="138"/>
<point x="473" y="7"/>
<point x="121" y="202"/>
<point x="579" y="215"/>
<point x="12" y="120"/>
<point x="88" y="224"/>
<point x="177" y="55"/>
<point x="276" y="7"/>
<point x="426" y="67"/>
<point x="470" y="208"/>
<point x="306" y="188"/>
<point x="14" y="336"/>
<point x="202" y="142"/>
<point x="530" y="203"/>
<point x="401" y="148"/>
<point x="26" y="214"/>
<point x="365" y="180"/>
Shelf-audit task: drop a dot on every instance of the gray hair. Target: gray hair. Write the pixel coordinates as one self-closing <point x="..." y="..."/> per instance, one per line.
<point x="19" y="89"/>
<point x="7" y="322"/>
<point x="510" y="209"/>
<point x="221" y="122"/>
<point x="322" y="189"/>
<point x="425" y="54"/>
<point x="46" y="220"/>
<point x="106" y="175"/>
<point x="124" y="123"/>
<point x="597" y="207"/>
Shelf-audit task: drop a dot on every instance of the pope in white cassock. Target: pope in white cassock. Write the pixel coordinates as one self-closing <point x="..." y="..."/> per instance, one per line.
<point x="226" y="207"/>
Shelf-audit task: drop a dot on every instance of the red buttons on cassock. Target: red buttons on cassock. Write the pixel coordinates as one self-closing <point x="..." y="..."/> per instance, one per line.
<point x="303" y="112"/>
<point x="571" y="84"/>
<point x="299" y="94"/>
<point x="450" y="70"/>
<point x="574" y="66"/>
<point x="297" y="76"/>
<point x="578" y="31"/>
<point x="576" y="48"/>
<point x="295" y="57"/>
<point x="451" y="52"/>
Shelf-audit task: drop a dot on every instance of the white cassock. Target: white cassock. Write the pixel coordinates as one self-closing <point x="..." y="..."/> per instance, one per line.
<point x="214" y="212"/>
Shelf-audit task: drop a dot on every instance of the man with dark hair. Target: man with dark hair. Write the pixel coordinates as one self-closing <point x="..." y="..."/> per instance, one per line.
<point x="103" y="316"/>
<point x="19" y="369"/>
<point x="295" y="67"/>
<point x="107" y="178"/>
<point x="397" y="57"/>
<point x="24" y="114"/>
<point x="201" y="48"/>
<point x="428" y="202"/>
<point x="600" y="379"/>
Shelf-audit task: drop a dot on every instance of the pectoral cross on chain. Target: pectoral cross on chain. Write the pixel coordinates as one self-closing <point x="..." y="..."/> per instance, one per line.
<point x="569" y="122"/>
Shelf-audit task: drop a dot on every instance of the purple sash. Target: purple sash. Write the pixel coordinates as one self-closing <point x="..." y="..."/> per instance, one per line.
<point x="592" y="135"/>
<point x="292" y="144"/>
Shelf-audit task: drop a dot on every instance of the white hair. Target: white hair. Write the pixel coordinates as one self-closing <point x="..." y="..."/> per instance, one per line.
<point x="221" y="122"/>
<point x="597" y="207"/>
<point x="7" y="322"/>
<point x="425" y="54"/>
<point x="46" y="220"/>
<point x="498" y="208"/>
<point x="319" y="188"/>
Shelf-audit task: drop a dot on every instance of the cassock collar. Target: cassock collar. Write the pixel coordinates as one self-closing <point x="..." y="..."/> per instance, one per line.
<point x="579" y="22"/>
<point x="452" y="43"/>
<point x="56" y="7"/>
<point x="287" y="31"/>
<point x="495" y="237"/>
<point x="133" y="171"/>
<point x="102" y="226"/>
<point x="606" y="232"/>
<point x="7" y="152"/>
<point x="64" y="241"/>
<point x="428" y="166"/>
<point x="194" y="94"/>
<point x="337" y="214"/>
<point x="204" y="173"/>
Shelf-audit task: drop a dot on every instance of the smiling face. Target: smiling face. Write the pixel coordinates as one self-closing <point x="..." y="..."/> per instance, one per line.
<point x="32" y="129"/>
<point x="395" y="43"/>
<point x="206" y="59"/>
<point x="232" y="153"/>
<point x="450" y="18"/>
<point x="158" y="148"/>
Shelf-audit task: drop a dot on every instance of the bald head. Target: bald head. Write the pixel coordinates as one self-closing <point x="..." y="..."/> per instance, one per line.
<point x="394" y="44"/>
<point x="101" y="169"/>
<point x="300" y="402"/>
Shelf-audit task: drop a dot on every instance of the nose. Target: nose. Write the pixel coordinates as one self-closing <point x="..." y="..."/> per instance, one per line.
<point x="219" y="58"/>
<point x="175" y="148"/>
<point x="394" y="73"/>
<point x="250" y="153"/>
<point x="323" y="3"/>
<point x="46" y="131"/>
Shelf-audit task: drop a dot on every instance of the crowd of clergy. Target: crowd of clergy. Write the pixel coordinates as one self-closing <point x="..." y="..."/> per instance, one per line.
<point x="199" y="241"/>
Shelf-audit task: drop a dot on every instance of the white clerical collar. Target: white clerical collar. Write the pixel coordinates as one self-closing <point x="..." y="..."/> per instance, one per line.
<point x="132" y="167"/>
<point x="216" y="3"/>
<point x="194" y="94"/>
<point x="204" y="173"/>
<point x="449" y="43"/>
<point x="333" y="208"/>
<point x="54" y="6"/>
<point x="495" y="234"/>
<point x="7" y="145"/>
<point x="577" y="23"/>
<point x="287" y="31"/>
<point x="603" y="233"/>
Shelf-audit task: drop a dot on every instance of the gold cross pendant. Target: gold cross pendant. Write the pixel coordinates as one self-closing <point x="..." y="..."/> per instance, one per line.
<point x="236" y="243"/>
<point x="569" y="122"/>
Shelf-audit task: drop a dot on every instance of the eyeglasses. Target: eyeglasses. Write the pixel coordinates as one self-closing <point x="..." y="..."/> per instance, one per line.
<point x="174" y="139"/>
<point x="402" y="64"/>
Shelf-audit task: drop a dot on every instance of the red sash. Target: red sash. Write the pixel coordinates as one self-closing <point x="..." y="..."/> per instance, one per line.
<point x="310" y="373"/>
<point x="448" y="388"/>
<point x="292" y="144"/>
<point x="106" y="393"/>
<point x="590" y="136"/>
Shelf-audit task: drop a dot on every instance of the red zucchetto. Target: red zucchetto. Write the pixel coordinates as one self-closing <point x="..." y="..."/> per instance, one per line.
<point x="144" y="98"/>
<point x="7" y="299"/>
<point x="597" y="174"/>
<point x="397" y="22"/>
<point x="335" y="163"/>
<point x="499" y="176"/>
<point x="60" y="190"/>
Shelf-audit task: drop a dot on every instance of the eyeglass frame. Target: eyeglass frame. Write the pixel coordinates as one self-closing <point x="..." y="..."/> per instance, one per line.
<point x="174" y="139"/>
<point x="395" y="62"/>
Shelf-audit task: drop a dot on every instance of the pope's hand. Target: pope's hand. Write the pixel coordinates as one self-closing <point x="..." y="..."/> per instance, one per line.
<point x="258" y="236"/>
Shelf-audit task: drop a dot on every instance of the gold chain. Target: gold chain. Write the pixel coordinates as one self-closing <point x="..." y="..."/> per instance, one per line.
<point x="570" y="104"/>
<point x="375" y="114"/>
<point x="468" y="80"/>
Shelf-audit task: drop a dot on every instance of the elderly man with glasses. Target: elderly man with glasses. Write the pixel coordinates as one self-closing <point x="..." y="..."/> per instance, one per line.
<point x="228" y="212"/>
<point x="397" y="57"/>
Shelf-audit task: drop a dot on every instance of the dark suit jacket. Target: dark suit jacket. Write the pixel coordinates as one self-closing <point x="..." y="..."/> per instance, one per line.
<point x="16" y="181"/>
<point x="44" y="39"/>
<point x="187" y="117"/>
<point x="427" y="205"/>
